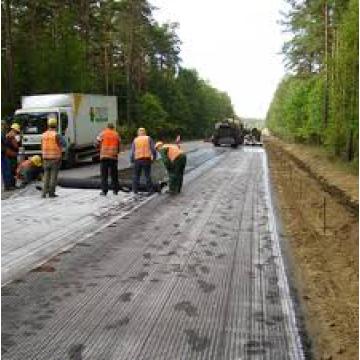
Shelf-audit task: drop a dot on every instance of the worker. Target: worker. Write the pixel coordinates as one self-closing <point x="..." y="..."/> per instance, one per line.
<point x="13" y="141"/>
<point x="5" y="162"/>
<point x="51" y="147"/>
<point x="174" y="160"/>
<point x="29" y="170"/>
<point x="142" y="154"/>
<point x="109" y="143"/>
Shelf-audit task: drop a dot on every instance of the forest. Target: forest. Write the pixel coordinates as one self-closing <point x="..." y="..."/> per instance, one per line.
<point x="317" y="102"/>
<point x="112" y="47"/>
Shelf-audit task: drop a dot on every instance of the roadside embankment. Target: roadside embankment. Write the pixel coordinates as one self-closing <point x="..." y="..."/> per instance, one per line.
<point x="318" y="208"/>
<point x="333" y="176"/>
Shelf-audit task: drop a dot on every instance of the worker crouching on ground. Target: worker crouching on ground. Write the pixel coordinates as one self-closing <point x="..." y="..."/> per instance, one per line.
<point x="142" y="154"/>
<point x="109" y="143"/>
<point x="29" y="170"/>
<point x="174" y="160"/>
<point x="13" y="141"/>
<point x="51" y="147"/>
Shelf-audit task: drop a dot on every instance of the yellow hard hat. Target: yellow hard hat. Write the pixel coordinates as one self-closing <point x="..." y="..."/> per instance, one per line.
<point x="52" y="122"/>
<point x="36" y="160"/>
<point x="16" y="127"/>
<point x="158" y="144"/>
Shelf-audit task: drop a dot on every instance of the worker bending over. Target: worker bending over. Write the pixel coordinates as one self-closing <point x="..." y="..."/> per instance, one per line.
<point x="51" y="148"/>
<point x="142" y="154"/>
<point x="29" y="170"/>
<point x="174" y="160"/>
<point x="109" y="143"/>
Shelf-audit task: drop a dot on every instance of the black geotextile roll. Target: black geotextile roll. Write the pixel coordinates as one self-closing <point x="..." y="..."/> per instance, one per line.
<point x="95" y="183"/>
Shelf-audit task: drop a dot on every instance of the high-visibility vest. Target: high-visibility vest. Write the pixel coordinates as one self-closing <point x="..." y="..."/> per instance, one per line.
<point x="173" y="151"/>
<point x="50" y="148"/>
<point x="109" y="144"/>
<point x="142" y="148"/>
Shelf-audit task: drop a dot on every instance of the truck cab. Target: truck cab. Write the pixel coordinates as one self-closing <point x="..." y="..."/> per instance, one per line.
<point x="33" y="123"/>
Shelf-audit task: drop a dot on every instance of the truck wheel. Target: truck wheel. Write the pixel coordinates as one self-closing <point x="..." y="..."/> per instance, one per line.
<point x="216" y="144"/>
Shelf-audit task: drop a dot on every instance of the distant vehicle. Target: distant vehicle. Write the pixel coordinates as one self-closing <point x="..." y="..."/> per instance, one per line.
<point x="80" y="119"/>
<point x="252" y="137"/>
<point x="227" y="133"/>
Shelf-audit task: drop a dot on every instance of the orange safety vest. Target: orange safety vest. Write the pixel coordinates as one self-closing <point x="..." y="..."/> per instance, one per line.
<point x="51" y="150"/>
<point x="142" y="148"/>
<point x="110" y="143"/>
<point x="173" y="151"/>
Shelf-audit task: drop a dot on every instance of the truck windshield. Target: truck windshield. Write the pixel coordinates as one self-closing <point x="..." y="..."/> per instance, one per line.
<point x="33" y="123"/>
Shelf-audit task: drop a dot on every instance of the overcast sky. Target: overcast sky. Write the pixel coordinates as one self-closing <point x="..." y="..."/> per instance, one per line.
<point x="232" y="43"/>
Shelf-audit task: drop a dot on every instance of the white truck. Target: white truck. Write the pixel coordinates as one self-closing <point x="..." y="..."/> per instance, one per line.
<point x="80" y="117"/>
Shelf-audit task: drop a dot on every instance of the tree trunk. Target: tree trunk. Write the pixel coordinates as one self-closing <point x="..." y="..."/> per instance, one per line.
<point x="326" y="59"/>
<point x="9" y="72"/>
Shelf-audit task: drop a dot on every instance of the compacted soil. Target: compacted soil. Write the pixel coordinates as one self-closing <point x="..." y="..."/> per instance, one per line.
<point x="319" y="211"/>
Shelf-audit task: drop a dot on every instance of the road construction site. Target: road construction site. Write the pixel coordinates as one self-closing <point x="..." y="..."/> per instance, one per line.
<point x="201" y="275"/>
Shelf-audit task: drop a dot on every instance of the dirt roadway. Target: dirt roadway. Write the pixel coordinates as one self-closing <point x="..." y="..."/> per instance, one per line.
<point x="198" y="276"/>
<point x="324" y="254"/>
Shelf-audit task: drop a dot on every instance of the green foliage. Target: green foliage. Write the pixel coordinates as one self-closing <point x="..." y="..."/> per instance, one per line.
<point x="319" y="102"/>
<point x="151" y="113"/>
<point x="110" y="47"/>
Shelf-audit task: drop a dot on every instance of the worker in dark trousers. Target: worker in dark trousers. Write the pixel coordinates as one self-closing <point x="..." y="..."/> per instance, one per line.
<point x="51" y="148"/>
<point x="13" y="141"/>
<point x="109" y="143"/>
<point x="174" y="160"/>
<point x="5" y="162"/>
<point x="142" y="154"/>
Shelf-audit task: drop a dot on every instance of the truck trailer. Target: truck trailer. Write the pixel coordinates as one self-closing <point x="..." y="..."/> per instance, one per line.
<point x="81" y="117"/>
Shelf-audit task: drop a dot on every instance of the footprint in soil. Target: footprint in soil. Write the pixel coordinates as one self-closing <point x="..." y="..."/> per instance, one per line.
<point x="126" y="297"/>
<point x="6" y="341"/>
<point x="147" y="256"/>
<point x="187" y="307"/>
<point x="197" y="343"/>
<point x="140" y="276"/>
<point x="166" y="242"/>
<point x="75" y="352"/>
<point x="273" y="297"/>
<point x="213" y="243"/>
<point x="118" y="323"/>
<point x="171" y="253"/>
<point x="206" y="287"/>
<point x="204" y="269"/>
<point x="43" y="317"/>
<point x="257" y="347"/>
<point x="259" y="316"/>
